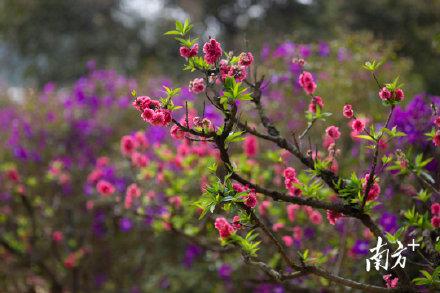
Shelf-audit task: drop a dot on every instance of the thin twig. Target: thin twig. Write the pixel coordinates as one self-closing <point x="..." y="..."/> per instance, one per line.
<point x="309" y="126"/>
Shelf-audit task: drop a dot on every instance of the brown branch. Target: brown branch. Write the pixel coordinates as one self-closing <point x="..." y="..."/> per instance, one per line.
<point x="279" y="196"/>
<point x="275" y="275"/>
<point x="256" y="98"/>
<point x="426" y="183"/>
<point x="306" y="269"/>
<point x="56" y="286"/>
<point x="374" y="163"/>
<point x="377" y="81"/>
<point x="192" y="131"/>
<point x="198" y="140"/>
<point x="330" y="178"/>
<point x="350" y="283"/>
<point x="272" y="237"/>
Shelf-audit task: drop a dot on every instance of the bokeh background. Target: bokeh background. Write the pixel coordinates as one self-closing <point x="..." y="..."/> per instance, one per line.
<point x="51" y="40"/>
<point x="67" y="70"/>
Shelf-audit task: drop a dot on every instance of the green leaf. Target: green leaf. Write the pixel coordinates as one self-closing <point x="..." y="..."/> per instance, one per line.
<point x="304" y="255"/>
<point x="173" y="32"/>
<point x="235" y="137"/>
<point x="436" y="273"/>
<point x="186" y="24"/>
<point x="235" y="91"/>
<point x="213" y="167"/>
<point x="187" y="27"/>
<point x="229" y="83"/>
<point x="426" y="274"/>
<point x="366" y="137"/>
<point x="421" y="281"/>
<point x="394" y="238"/>
<point x="326" y="114"/>
<point x="431" y="134"/>
<point x="425" y="162"/>
<point x="410" y="214"/>
<point x="391" y="238"/>
<point x="179" y="26"/>
<point x="387" y="159"/>
<point x="219" y="130"/>
<point x="423" y="195"/>
<point x="372" y="65"/>
<point x="399" y="232"/>
<point x="246" y="97"/>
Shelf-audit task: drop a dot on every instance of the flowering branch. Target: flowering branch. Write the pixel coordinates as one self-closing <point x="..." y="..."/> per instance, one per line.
<point x="220" y="142"/>
<point x="224" y="78"/>
<point x="371" y="177"/>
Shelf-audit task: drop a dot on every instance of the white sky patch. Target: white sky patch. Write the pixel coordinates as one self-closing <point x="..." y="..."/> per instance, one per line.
<point x="150" y="11"/>
<point x="17" y="94"/>
<point x="213" y="27"/>
<point x="147" y="9"/>
<point x="305" y="2"/>
<point x="255" y="11"/>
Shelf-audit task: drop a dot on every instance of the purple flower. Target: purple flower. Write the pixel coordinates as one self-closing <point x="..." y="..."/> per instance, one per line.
<point x="49" y="88"/>
<point x="286" y="49"/>
<point x="120" y="184"/>
<point x="157" y="134"/>
<point x="323" y="49"/>
<point x="276" y="95"/>
<point x="388" y="194"/>
<point x="309" y="232"/>
<point x="212" y="114"/>
<point x="125" y="224"/>
<point x="185" y="95"/>
<point x="124" y="102"/>
<point x="152" y="211"/>
<point x="305" y="51"/>
<point x="389" y="222"/>
<point x="98" y="225"/>
<point x="340" y="226"/>
<point x="415" y="119"/>
<point x="50" y="117"/>
<point x="269" y="288"/>
<point x="157" y="91"/>
<point x="165" y="283"/>
<point x="360" y="247"/>
<point x="91" y="65"/>
<point x="355" y="151"/>
<point x="295" y="69"/>
<point x="5" y="196"/>
<point x="148" y="221"/>
<point x="27" y="129"/>
<point x="225" y="271"/>
<point x="343" y="54"/>
<point x="265" y="52"/>
<point x="20" y="153"/>
<point x="100" y="280"/>
<point x="191" y="253"/>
